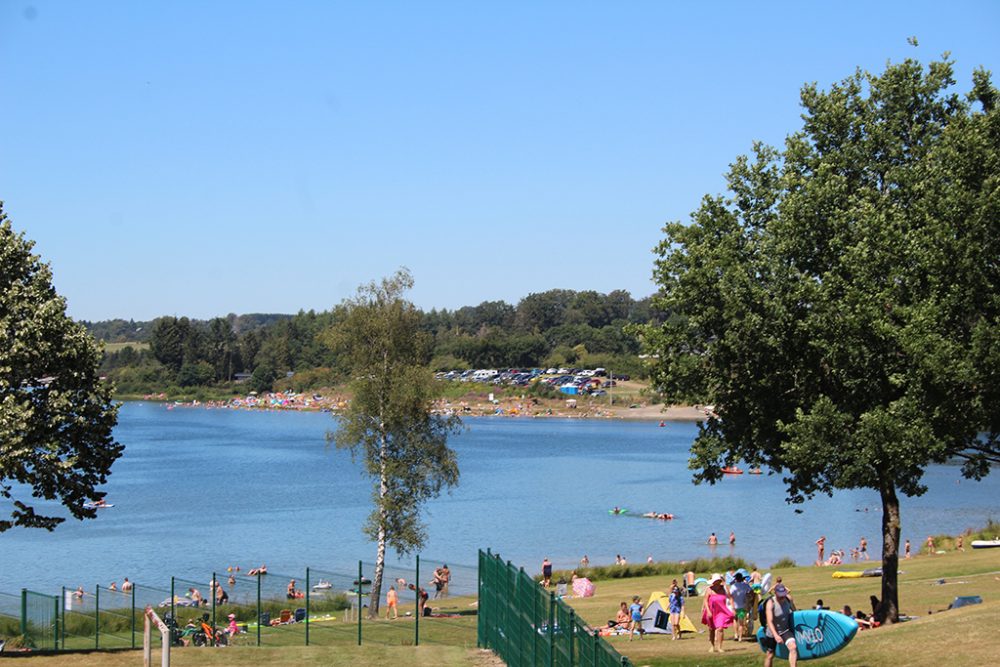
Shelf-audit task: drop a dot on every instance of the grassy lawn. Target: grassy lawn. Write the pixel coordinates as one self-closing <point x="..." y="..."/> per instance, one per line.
<point x="917" y="642"/>
<point x="961" y="637"/>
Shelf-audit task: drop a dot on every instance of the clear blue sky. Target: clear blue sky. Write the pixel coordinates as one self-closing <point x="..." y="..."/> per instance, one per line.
<point x="201" y="158"/>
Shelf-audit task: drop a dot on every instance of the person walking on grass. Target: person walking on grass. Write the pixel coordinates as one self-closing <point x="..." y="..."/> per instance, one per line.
<point x="635" y="614"/>
<point x="907" y="554"/>
<point x="742" y="594"/>
<point x="715" y="612"/>
<point x="778" y="624"/>
<point x="863" y="549"/>
<point x="676" y="608"/>
<point x="546" y="572"/>
<point x="391" y="603"/>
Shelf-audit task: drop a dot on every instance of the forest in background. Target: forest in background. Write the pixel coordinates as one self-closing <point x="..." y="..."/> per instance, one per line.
<point x="555" y="328"/>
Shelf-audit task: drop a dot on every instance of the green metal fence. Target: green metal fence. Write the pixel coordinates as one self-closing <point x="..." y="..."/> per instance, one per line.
<point x="529" y="627"/>
<point x="314" y="607"/>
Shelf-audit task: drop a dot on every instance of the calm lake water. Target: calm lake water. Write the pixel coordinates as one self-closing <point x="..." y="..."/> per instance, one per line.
<point x="197" y="490"/>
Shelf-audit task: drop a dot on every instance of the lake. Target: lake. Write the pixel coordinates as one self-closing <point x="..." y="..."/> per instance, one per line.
<point x="199" y="489"/>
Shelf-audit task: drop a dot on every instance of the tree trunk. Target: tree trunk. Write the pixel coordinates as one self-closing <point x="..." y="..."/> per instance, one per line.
<point x="889" y="609"/>
<point x="383" y="490"/>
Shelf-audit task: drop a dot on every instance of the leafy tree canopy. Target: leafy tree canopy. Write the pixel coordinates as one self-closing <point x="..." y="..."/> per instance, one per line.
<point x="56" y="415"/>
<point x="841" y="305"/>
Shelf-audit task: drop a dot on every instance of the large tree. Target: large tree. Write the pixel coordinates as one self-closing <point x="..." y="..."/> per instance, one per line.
<point x="841" y="306"/>
<point x="389" y="424"/>
<point x="56" y="414"/>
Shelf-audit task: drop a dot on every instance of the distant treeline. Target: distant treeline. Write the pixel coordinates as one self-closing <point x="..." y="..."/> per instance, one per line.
<point x="553" y="328"/>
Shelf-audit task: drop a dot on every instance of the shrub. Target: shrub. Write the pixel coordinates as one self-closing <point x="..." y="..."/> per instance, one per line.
<point x="783" y="563"/>
<point x="662" y="568"/>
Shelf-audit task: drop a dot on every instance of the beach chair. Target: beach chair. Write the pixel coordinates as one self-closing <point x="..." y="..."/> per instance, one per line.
<point x="300" y="614"/>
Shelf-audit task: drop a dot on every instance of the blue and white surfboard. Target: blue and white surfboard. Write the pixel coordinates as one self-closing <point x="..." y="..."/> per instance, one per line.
<point x="818" y="633"/>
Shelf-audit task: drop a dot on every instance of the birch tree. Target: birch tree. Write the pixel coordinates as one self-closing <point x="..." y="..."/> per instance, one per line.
<point x="389" y="425"/>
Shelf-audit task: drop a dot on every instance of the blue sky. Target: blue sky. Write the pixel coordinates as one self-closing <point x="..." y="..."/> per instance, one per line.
<point x="201" y="158"/>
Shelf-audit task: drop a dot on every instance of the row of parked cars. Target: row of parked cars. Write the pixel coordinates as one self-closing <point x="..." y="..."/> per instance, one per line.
<point x="585" y="380"/>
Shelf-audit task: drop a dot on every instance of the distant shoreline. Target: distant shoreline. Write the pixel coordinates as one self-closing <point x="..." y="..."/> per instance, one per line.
<point x="510" y="408"/>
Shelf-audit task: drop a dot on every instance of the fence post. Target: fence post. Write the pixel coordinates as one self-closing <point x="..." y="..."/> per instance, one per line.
<point x="597" y="644"/>
<point x="212" y="591"/>
<point x="132" y="591"/>
<point x="24" y="612"/>
<point x="259" y="577"/>
<point x="308" y="591"/>
<point x="418" y="612"/>
<point x="479" y="594"/>
<point x="55" y="626"/>
<point x="572" y="636"/>
<point x="62" y="626"/>
<point x="359" y="603"/>
<point x="552" y="629"/>
<point x="173" y="597"/>
<point x="97" y="616"/>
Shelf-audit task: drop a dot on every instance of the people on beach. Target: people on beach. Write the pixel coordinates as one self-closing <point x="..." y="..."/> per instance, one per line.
<point x="715" y="612"/>
<point x="232" y="629"/>
<point x="438" y="582"/>
<point x="422" y="597"/>
<point x="713" y="540"/>
<point x="930" y="544"/>
<point x="906" y="550"/>
<point x="755" y="577"/>
<point x="126" y="586"/>
<point x="584" y="562"/>
<point x="959" y="543"/>
<point x="392" y="603"/>
<point x="732" y="538"/>
<point x="622" y="618"/>
<point x="742" y="595"/>
<point x="676" y="607"/>
<point x="196" y="599"/>
<point x="257" y="571"/>
<point x="546" y="572"/>
<point x="221" y="596"/>
<point x="446" y="579"/>
<point x="635" y="618"/>
<point x="820" y="548"/>
<point x="863" y="549"/>
<point x="778" y="611"/>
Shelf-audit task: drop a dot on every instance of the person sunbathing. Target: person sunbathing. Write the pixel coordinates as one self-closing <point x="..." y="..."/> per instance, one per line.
<point x="621" y="618"/>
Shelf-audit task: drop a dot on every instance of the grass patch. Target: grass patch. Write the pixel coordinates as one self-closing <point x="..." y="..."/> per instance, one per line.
<point x="969" y="573"/>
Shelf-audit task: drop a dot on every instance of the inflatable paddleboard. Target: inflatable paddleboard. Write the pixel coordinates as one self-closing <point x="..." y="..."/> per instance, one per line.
<point x="985" y="544"/>
<point x="620" y="510"/>
<point x="765" y="583"/>
<point x="818" y="633"/>
<point x="95" y="506"/>
<point x="700" y="584"/>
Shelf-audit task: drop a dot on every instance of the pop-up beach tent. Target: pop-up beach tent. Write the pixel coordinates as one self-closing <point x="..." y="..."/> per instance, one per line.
<point x="656" y="616"/>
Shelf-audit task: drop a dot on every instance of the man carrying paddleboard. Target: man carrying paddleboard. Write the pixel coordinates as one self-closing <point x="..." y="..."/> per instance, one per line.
<point x="780" y="629"/>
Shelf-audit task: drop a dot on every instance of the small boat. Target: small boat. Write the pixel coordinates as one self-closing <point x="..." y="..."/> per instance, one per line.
<point x="98" y="505"/>
<point x="731" y="471"/>
<point x="985" y="544"/>
<point x="756" y="471"/>
<point x="323" y="585"/>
